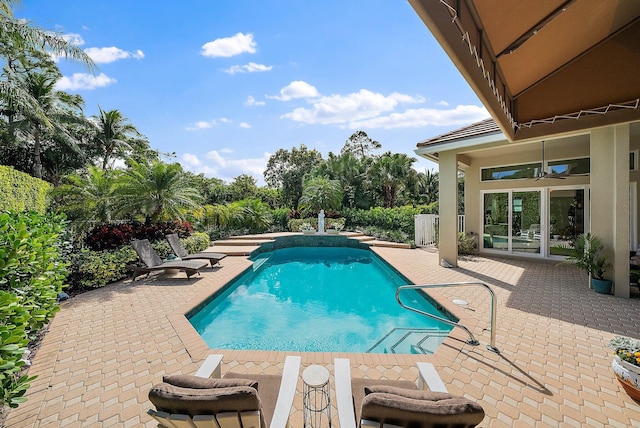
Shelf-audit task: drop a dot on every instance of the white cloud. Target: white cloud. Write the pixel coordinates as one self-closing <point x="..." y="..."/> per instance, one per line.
<point x="341" y="109"/>
<point x="252" y="102"/>
<point x="442" y="103"/>
<point x="191" y="160"/>
<point x="297" y="89"/>
<point x="229" y="46"/>
<point x="111" y="54"/>
<point x="84" y="81"/>
<point x="415" y="118"/>
<point x="74" y="39"/>
<point x="252" y="67"/>
<point x="244" y="125"/>
<point x="206" y="124"/>
<point x="226" y="150"/>
<point x="219" y="166"/>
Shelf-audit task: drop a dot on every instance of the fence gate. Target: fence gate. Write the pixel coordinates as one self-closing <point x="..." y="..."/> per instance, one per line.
<point x="426" y="226"/>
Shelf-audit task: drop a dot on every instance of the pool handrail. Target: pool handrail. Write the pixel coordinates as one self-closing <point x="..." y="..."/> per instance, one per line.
<point x="472" y="340"/>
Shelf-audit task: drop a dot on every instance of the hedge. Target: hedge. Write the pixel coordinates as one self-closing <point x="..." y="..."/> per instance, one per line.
<point x="32" y="274"/>
<point x="22" y="192"/>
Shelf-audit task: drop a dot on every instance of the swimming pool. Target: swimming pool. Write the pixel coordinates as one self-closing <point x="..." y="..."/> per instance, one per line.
<point x="310" y="299"/>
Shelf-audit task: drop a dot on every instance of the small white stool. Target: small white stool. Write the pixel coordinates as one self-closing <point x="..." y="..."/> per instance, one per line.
<point x="316" y="399"/>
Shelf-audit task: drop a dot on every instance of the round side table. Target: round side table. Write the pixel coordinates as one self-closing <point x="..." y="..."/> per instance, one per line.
<point x="316" y="399"/>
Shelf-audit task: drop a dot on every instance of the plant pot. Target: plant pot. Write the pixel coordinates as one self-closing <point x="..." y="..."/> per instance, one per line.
<point x="602" y="286"/>
<point x="628" y="375"/>
<point x="332" y="231"/>
<point x="309" y="232"/>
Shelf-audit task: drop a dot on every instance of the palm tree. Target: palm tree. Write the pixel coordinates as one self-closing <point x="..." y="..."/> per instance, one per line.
<point x="23" y="50"/>
<point x="87" y="197"/>
<point x="389" y="174"/>
<point x="56" y="109"/>
<point x="157" y="191"/>
<point x="250" y="213"/>
<point x="321" y="193"/>
<point x="114" y="135"/>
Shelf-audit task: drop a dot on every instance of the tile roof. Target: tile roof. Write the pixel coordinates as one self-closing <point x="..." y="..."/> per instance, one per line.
<point x="487" y="126"/>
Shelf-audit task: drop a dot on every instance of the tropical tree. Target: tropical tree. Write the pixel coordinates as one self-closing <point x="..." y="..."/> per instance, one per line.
<point x="157" y="191"/>
<point x="114" y="136"/>
<point x="360" y="145"/>
<point x="25" y="50"/>
<point x="287" y="169"/>
<point x="388" y="175"/>
<point x="56" y="110"/>
<point x="217" y="215"/>
<point x="87" y="196"/>
<point x="428" y="187"/>
<point x="251" y="213"/>
<point x="351" y="171"/>
<point x="243" y="187"/>
<point x="321" y="193"/>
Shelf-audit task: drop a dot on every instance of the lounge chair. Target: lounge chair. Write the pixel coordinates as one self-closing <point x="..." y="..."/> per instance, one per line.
<point x="153" y="262"/>
<point x="395" y="404"/>
<point x="233" y="401"/>
<point x="178" y="249"/>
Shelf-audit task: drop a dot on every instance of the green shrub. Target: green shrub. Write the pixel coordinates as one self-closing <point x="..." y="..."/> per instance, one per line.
<point x="399" y="219"/>
<point x="467" y="243"/>
<point x="32" y="274"/>
<point x="197" y="242"/>
<point x="94" y="269"/>
<point x="295" y="224"/>
<point x="22" y="192"/>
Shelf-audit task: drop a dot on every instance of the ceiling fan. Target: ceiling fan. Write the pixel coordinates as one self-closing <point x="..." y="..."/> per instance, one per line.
<point x="544" y="174"/>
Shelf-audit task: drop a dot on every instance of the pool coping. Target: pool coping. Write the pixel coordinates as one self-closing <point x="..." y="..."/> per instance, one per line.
<point x="199" y="350"/>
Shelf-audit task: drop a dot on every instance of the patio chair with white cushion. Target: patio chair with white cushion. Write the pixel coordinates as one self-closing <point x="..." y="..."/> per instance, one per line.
<point x="207" y="401"/>
<point x="400" y="403"/>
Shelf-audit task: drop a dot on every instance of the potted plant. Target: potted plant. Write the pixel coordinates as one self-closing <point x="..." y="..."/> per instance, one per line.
<point x="307" y="229"/>
<point x="334" y="228"/>
<point x="590" y="255"/>
<point x="626" y="364"/>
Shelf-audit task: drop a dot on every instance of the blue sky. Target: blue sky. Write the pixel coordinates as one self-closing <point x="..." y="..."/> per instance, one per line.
<point x="226" y="83"/>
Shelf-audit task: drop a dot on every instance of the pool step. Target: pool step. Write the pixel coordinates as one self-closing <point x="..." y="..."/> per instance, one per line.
<point x="409" y="341"/>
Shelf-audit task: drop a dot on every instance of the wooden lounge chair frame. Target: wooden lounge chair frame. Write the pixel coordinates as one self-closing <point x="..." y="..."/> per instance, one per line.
<point x="174" y="241"/>
<point x="211" y="369"/>
<point x="153" y="262"/>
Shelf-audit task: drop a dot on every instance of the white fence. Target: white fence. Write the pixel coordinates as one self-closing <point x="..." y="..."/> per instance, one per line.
<point x="426" y="226"/>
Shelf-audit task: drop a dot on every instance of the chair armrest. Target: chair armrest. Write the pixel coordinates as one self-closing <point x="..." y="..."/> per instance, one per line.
<point x="211" y="367"/>
<point x="429" y="377"/>
<point x="287" y="392"/>
<point x="344" y="396"/>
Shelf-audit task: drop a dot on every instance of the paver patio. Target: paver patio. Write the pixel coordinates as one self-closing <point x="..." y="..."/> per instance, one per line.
<point x="106" y="348"/>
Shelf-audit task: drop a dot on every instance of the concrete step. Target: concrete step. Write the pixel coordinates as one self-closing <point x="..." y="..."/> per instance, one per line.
<point x="387" y="244"/>
<point x="233" y="250"/>
<point x="241" y="242"/>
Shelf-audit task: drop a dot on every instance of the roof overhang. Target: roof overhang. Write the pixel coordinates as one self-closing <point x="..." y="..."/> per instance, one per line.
<point x="544" y="67"/>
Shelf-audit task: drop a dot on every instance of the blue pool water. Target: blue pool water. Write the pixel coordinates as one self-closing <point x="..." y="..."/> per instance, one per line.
<point x="310" y="299"/>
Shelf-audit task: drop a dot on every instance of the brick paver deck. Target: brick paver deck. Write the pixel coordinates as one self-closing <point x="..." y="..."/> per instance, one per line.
<point x="106" y="348"/>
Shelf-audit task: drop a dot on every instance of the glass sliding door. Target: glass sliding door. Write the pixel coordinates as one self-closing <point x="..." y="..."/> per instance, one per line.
<point x="525" y="220"/>
<point x="512" y="222"/>
<point x="566" y="219"/>
<point x="496" y="221"/>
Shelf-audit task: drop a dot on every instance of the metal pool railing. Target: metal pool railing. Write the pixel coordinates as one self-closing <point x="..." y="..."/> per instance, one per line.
<point x="472" y="340"/>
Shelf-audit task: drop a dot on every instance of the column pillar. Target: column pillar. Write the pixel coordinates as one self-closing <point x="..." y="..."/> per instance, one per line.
<point x="610" y="199"/>
<point x="448" y="207"/>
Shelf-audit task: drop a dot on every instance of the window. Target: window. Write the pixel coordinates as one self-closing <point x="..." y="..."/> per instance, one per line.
<point x="633" y="160"/>
<point x="571" y="166"/>
<point x="511" y="172"/>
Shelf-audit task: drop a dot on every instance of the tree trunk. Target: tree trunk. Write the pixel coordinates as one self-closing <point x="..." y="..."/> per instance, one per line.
<point x="37" y="161"/>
